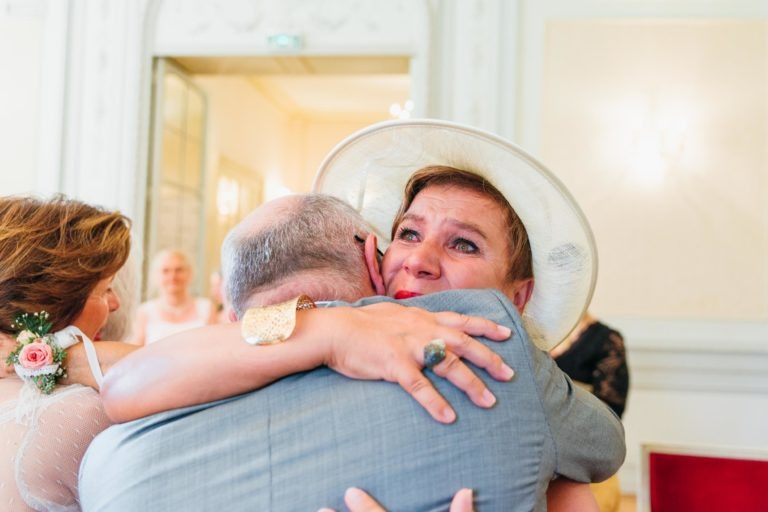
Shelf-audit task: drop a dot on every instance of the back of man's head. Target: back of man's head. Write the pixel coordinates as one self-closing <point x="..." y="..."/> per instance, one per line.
<point x="293" y="245"/>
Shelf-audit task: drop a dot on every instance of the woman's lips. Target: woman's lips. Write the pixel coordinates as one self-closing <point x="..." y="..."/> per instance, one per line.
<point x="402" y="294"/>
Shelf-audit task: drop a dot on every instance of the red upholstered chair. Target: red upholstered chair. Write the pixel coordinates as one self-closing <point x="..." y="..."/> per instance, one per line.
<point x="703" y="479"/>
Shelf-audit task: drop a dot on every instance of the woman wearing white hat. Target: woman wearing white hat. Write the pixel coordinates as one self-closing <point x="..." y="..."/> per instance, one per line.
<point x="369" y="170"/>
<point x="456" y="229"/>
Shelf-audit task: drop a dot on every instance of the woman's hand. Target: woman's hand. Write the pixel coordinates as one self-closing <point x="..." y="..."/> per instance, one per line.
<point x="358" y="500"/>
<point x="386" y="341"/>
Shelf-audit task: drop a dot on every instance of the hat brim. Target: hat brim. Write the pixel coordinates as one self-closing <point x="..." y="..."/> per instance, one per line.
<point x="370" y="168"/>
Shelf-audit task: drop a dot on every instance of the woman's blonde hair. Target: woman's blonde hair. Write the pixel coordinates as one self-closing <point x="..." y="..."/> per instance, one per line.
<point x="53" y="253"/>
<point x="518" y="245"/>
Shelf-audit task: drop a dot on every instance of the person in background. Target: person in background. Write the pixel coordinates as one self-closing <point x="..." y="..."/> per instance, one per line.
<point x="175" y="309"/>
<point x="594" y="356"/>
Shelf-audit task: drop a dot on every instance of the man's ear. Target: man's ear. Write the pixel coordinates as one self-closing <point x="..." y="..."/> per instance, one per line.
<point x="372" y="262"/>
<point x="232" y="316"/>
<point x="520" y="293"/>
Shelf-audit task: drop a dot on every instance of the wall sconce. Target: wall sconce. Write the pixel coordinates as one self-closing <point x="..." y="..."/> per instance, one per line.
<point x="227" y="197"/>
<point x="404" y="112"/>
<point x="656" y="139"/>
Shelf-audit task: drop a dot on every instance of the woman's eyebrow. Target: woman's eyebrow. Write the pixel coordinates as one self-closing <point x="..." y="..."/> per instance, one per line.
<point x="412" y="217"/>
<point x="460" y="224"/>
<point x="468" y="226"/>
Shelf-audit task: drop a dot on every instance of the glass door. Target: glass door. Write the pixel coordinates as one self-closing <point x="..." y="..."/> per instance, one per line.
<point x="176" y="179"/>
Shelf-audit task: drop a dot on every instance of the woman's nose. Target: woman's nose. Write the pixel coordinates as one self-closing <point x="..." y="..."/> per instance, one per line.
<point x="424" y="261"/>
<point x="114" y="302"/>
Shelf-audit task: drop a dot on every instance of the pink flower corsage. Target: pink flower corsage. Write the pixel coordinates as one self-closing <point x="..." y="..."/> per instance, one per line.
<point x="37" y="356"/>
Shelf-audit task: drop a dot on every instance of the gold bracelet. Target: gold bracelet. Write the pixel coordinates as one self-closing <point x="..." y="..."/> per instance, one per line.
<point x="273" y="324"/>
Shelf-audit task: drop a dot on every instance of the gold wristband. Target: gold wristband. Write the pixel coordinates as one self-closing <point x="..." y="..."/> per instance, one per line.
<point x="273" y="324"/>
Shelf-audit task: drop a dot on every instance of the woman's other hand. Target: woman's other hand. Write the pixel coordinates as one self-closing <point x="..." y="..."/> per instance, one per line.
<point x="358" y="500"/>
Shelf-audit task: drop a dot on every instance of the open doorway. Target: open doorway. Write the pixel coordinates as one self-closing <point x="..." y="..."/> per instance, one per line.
<point x="269" y="121"/>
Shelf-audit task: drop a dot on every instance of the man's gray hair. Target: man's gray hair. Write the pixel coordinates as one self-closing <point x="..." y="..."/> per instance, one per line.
<point x="314" y="236"/>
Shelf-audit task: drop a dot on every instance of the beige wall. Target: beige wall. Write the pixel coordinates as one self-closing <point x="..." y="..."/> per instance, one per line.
<point x="245" y="137"/>
<point x="264" y="146"/>
<point x="314" y="137"/>
<point x="660" y="129"/>
<point x="21" y="40"/>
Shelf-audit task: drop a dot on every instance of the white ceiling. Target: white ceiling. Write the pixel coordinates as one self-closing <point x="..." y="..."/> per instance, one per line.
<point x="317" y="86"/>
<point x="334" y="95"/>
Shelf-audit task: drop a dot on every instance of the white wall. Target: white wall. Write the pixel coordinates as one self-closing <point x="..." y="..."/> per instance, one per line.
<point x="21" y="47"/>
<point x="661" y="134"/>
<point x="682" y="239"/>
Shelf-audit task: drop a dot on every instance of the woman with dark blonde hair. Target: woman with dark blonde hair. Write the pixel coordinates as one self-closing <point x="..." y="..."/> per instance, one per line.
<point x="58" y="256"/>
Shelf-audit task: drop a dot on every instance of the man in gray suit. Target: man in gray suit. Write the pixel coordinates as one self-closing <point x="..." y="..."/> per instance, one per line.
<point x="300" y="442"/>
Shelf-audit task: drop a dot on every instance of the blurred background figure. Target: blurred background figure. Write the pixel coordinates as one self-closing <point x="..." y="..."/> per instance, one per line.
<point x="174" y="309"/>
<point x="595" y="358"/>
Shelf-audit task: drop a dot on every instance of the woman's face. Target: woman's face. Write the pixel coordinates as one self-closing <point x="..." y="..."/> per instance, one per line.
<point x="174" y="274"/>
<point x="450" y="237"/>
<point x="100" y="303"/>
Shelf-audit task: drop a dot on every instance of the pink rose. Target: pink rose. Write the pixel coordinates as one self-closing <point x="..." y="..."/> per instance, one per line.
<point x="36" y="355"/>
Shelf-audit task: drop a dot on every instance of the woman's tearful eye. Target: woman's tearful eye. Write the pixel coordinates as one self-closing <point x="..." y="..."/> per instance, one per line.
<point x="407" y="235"/>
<point x="465" y="246"/>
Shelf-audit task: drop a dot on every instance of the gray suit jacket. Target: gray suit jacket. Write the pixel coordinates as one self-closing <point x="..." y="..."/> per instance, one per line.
<point x="299" y="443"/>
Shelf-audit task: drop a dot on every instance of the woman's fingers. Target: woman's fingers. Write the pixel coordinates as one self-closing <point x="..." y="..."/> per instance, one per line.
<point x="358" y="500"/>
<point x="473" y="325"/>
<point x="479" y="354"/>
<point x="459" y="374"/>
<point x="462" y="501"/>
<point x="413" y="381"/>
<point x="387" y="341"/>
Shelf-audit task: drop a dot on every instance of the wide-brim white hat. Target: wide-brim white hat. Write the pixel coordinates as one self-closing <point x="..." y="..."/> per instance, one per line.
<point x="370" y="168"/>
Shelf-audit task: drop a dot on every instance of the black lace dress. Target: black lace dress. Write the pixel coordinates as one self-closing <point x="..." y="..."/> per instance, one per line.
<point x="598" y="358"/>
